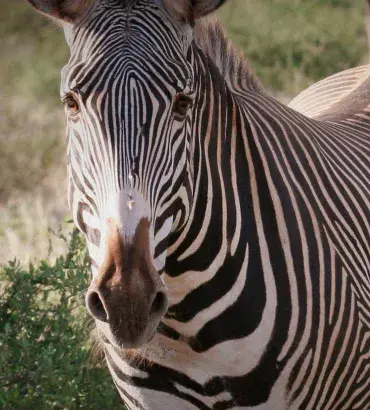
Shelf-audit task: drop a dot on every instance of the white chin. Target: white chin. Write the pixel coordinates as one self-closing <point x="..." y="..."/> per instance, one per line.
<point x="105" y="331"/>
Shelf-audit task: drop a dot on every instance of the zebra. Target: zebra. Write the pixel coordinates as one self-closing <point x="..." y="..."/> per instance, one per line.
<point x="228" y="233"/>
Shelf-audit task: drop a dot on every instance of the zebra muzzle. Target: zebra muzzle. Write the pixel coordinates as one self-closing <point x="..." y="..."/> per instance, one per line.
<point x="128" y="298"/>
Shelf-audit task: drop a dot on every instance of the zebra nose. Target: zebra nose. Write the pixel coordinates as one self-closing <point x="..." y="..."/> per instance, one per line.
<point x="95" y="305"/>
<point x="159" y="304"/>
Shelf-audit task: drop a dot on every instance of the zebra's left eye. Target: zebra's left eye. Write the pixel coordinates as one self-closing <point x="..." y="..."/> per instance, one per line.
<point x="181" y="105"/>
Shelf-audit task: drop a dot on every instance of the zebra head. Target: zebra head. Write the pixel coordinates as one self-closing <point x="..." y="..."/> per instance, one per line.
<point x="130" y="95"/>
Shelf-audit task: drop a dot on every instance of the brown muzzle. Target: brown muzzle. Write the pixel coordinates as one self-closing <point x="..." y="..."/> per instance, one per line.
<point x="128" y="293"/>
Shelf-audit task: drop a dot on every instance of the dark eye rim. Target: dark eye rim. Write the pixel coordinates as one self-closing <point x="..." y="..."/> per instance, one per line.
<point x="74" y="108"/>
<point x="182" y="103"/>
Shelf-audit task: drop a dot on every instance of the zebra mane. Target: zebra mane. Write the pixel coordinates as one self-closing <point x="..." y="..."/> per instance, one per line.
<point x="211" y="37"/>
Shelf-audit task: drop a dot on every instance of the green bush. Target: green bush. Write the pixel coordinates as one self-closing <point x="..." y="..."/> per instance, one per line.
<point x="44" y="338"/>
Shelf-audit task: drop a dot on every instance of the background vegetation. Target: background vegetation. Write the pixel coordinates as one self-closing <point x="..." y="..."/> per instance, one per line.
<point x="44" y="342"/>
<point x="45" y="351"/>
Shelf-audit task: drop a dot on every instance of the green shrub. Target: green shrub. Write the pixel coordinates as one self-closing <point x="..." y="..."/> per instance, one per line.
<point x="44" y="338"/>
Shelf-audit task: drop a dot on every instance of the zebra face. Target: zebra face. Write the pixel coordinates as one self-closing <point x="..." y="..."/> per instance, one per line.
<point x="129" y="95"/>
<point x="128" y="92"/>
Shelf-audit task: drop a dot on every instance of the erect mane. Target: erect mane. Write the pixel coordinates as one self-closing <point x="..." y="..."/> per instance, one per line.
<point x="211" y="37"/>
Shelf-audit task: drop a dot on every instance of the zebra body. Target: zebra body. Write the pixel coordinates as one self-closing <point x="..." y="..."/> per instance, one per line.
<point x="243" y="222"/>
<point x="318" y="225"/>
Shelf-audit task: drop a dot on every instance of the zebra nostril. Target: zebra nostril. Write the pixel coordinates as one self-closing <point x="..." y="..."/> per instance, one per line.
<point x="159" y="304"/>
<point x="96" y="307"/>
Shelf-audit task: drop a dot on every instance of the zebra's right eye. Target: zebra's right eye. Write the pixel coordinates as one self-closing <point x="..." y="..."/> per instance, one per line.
<point x="72" y="105"/>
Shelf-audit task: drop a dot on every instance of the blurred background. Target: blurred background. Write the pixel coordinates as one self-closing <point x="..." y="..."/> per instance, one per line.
<point x="44" y="363"/>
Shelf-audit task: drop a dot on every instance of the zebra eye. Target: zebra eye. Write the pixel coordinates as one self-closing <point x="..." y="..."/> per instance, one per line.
<point x="181" y="105"/>
<point x="72" y="105"/>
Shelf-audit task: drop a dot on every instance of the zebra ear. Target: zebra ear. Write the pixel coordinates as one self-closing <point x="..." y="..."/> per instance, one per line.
<point x="65" y="10"/>
<point x="190" y="10"/>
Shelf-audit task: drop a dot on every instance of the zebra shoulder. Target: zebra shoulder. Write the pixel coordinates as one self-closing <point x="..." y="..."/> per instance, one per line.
<point x="342" y="94"/>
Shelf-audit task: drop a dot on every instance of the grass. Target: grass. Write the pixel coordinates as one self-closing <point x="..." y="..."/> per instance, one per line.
<point x="33" y="52"/>
<point x="31" y="124"/>
<point x="27" y="225"/>
<point x="292" y="44"/>
<point x="32" y="163"/>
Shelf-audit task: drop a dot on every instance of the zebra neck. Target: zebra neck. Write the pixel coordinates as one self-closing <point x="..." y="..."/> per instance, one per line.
<point x="207" y="264"/>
